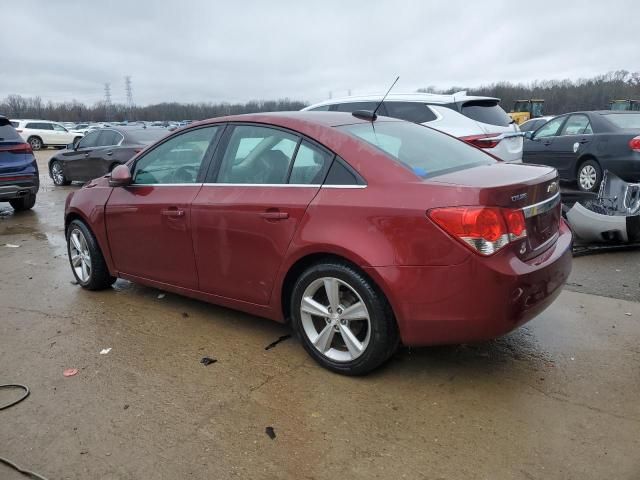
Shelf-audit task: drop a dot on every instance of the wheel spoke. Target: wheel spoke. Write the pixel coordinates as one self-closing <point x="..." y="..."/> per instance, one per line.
<point x="357" y="311"/>
<point x="76" y="242"/>
<point x="310" y="306"/>
<point x="75" y="260"/>
<point x="332" y="288"/>
<point x="353" y="344"/>
<point x="85" y="271"/>
<point x="324" y="338"/>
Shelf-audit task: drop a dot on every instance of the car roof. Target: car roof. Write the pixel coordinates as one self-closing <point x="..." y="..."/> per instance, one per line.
<point x="432" y="98"/>
<point x="287" y="119"/>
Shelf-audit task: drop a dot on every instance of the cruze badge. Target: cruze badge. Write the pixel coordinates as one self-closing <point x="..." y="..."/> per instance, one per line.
<point x="552" y="187"/>
<point x="520" y="196"/>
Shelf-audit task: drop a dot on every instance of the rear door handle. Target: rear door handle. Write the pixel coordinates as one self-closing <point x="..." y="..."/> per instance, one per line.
<point x="110" y="152"/>
<point x="274" y="215"/>
<point x="173" y="212"/>
<point x="584" y="140"/>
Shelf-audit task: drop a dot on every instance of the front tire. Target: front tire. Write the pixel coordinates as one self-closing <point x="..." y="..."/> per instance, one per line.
<point x="36" y="143"/>
<point x="57" y="174"/>
<point x="589" y="176"/>
<point x="86" y="259"/>
<point x="23" y="203"/>
<point x="343" y="320"/>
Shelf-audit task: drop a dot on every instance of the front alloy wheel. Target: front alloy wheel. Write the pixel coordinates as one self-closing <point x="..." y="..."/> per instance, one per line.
<point x="86" y="259"/>
<point x="589" y="176"/>
<point x="343" y="320"/>
<point x="80" y="255"/>
<point x="58" y="175"/>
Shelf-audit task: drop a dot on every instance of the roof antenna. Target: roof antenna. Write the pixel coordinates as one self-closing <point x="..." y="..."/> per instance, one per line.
<point x="366" y="114"/>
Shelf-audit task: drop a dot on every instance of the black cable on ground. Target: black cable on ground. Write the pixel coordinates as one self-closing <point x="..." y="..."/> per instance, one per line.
<point x="23" y="387"/>
<point x="9" y="463"/>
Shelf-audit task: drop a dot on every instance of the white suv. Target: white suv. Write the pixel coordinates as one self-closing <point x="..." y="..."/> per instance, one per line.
<point x="478" y="120"/>
<point x="42" y="133"/>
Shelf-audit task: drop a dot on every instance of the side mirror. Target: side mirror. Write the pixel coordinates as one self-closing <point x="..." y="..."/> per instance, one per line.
<point x="528" y="135"/>
<point x="72" y="146"/>
<point x="120" y="176"/>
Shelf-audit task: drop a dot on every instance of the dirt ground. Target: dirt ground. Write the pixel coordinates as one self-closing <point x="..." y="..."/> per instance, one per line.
<point x="557" y="399"/>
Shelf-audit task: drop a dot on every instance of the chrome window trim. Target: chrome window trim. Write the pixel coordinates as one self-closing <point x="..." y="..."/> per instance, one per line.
<point x="541" y="207"/>
<point x="270" y="185"/>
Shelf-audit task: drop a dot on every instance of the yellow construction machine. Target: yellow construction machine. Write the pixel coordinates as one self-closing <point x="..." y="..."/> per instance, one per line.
<point x="524" y="110"/>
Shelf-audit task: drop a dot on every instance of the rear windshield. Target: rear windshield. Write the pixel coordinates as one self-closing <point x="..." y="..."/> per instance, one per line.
<point x="624" y="120"/>
<point x="146" y="136"/>
<point x="486" y="111"/>
<point x="8" y="133"/>
<point x="424" y="151"/>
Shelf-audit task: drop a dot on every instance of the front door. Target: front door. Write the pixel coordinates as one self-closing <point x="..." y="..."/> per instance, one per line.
<point x="149" y="222"/>
<point x="244" y="221"/>
<point x="575" y="135"/>
<point x="73" y="159"/>
<point x="541" y="148"/>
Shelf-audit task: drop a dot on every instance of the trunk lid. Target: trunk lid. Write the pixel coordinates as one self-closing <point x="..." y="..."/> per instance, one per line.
<point x="534" y="189"/>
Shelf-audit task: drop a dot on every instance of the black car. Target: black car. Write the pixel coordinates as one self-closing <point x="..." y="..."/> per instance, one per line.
<point x="19" y="180"/>
<point x="581" y="145"/>
<point x="99" y="152"/>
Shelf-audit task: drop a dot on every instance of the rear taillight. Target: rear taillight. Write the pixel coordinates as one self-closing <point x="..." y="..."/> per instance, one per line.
<point x="483" y="141"/>
<point x="19" y="148"/>
<point x="634" y="144"/>
<point x="485" y="230"/>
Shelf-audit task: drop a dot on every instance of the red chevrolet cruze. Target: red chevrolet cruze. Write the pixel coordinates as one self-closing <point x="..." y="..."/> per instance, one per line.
<point x="361" y="233"/>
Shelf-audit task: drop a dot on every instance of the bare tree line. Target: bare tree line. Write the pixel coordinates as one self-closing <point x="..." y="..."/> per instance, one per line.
<point x="16" y="106"/>
<point x="562" y="96"/>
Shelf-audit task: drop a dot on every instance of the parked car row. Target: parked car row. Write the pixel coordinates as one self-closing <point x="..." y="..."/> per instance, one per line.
<point x="43" y="133"/>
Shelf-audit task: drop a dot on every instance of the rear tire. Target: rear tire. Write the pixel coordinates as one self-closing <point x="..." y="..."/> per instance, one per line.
<point x="57" y="174"/>
<point x="351" y="331"/>
<point x="86" y="259"/>
<point x="36" y="143"/>
<point x="23" y="203"/>
<point x="589" y="176"/>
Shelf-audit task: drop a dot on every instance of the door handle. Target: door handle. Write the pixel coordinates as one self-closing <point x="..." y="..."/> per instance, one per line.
<point x="86" y="155"/>
<point x="584" y="140"/>
<point x="110" y="152"/>
<point x="546" y="144"/>
<point x="173" y="212"/>
<point x="274" y="215"/>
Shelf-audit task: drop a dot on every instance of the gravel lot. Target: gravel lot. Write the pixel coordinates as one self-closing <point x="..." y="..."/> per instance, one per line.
<point x="557" y="399"/>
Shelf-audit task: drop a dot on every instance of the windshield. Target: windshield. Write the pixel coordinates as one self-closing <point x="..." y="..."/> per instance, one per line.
<point x="624" y="120"/>
<point x="424" y="151"/>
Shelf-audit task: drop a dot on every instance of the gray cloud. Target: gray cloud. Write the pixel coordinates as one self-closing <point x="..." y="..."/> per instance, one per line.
<point x="237" y="51"/>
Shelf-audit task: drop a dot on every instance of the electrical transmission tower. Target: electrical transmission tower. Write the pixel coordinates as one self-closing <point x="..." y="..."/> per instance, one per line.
<point x="129" y="90"/>
<point x="107" y="100"/>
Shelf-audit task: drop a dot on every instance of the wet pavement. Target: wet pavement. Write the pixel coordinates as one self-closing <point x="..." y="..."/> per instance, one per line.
<point x="557" y="399"/>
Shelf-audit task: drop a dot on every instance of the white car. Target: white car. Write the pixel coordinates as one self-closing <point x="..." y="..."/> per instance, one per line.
<point x="480" y="121"/>
<point x="43" y="133"/>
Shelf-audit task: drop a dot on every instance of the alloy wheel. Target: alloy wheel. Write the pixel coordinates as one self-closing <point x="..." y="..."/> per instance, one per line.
<point x="588" y="176"/>
<point x="56" y="173"/>
<point x="35" y="143"/>
<point x="80" y="255"/>
<point x="335" y="319"/>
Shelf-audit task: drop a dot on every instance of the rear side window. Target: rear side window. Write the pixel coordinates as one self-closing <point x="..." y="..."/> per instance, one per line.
<point x="411" y="111"/>
<point x="310" y="165"/>
<point x="624" y="120"/>
<point x="39" y="126"/>
<point x="423" y="150"/>
<point x="486" y="111"/>
<point x="342" y="174"/>
<point x="355" y="106"/>
<point x="108" y="137"/>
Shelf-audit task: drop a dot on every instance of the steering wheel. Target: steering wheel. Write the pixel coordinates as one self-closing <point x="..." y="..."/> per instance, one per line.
<point x="186" y="174"/>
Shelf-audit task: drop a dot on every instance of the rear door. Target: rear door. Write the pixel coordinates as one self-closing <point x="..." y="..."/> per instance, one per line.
<point x="540" y="148"/>
<point x="246" y="215"/>
<point x="575" y="136"/>
<point x="100" y="158"/>
<point x="149" y="222"/>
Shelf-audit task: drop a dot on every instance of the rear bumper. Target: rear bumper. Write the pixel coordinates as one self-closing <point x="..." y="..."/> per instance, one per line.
<point x="477" y="300"/>
<point x="628" y="168"/>
<point x="10" y="189"/>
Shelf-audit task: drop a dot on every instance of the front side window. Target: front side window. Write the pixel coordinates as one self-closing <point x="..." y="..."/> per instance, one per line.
<point x="310" y="165"/>
<point x="549" y="129"/>
<point x="321" y="108"/>
<point x="577" y="125"/>
<point x="90" y="140"/>
<point x="355" y="106"/>
<point x="257" y="155"/>
<point x="178" y="160"/>
<point x="426" y="152"/>
<point x="58" y="128"/>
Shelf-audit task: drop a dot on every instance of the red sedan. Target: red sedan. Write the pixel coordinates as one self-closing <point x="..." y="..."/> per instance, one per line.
<point x="361" y="233"/>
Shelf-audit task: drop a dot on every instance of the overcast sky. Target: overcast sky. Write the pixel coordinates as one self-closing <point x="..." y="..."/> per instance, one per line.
<point x="184" y="50"/>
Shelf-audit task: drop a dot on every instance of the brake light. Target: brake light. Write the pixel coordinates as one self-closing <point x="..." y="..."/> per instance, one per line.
<point x="483" y="141"/>
<point x="485" y="230"/>
<point x="18" y="148"/>
<point x="634" y="144"/>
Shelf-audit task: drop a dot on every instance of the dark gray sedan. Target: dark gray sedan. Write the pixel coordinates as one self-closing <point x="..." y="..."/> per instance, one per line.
<point x="581" y="145"/>
<point x="99" y="152"/>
